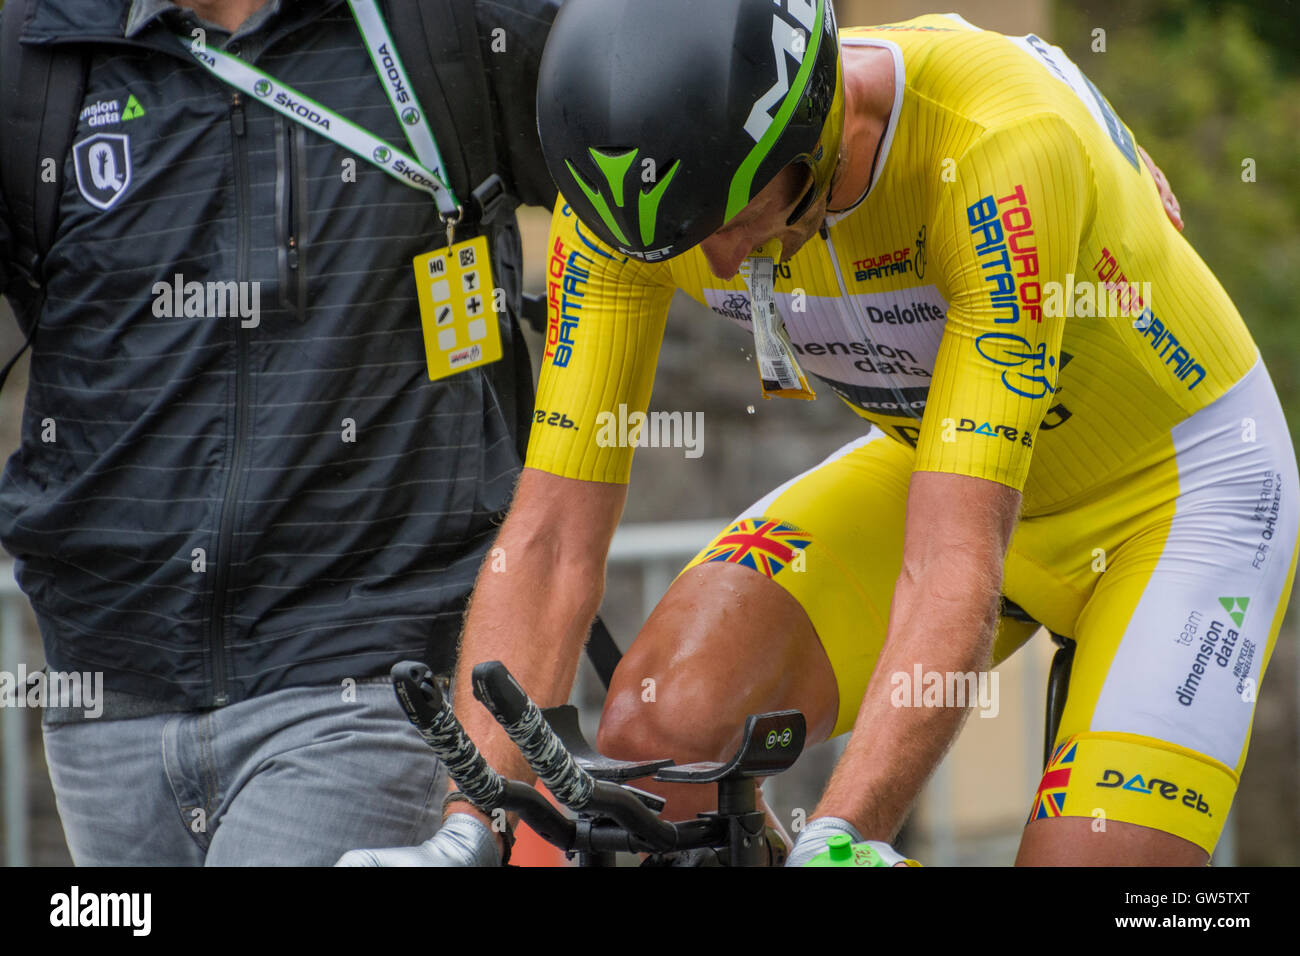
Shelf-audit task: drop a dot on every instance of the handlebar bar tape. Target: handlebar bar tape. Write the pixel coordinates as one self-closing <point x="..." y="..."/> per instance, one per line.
<point x="523" y="721"/>
<point x="428" y="711"/>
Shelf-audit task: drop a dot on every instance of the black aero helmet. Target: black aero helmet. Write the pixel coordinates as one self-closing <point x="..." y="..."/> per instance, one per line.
<point x="661" y="119"/>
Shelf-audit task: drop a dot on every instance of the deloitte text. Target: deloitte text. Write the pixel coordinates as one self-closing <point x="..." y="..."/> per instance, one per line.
<point x="948" y="689"/>
<point x="79" y="691"/>
<point x="683" y="430"/>
<point x="208" y="300"/>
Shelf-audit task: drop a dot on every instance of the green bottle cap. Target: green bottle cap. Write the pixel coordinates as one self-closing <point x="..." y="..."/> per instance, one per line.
<point x="842" y="851"/>
<point x="840" y="847"/>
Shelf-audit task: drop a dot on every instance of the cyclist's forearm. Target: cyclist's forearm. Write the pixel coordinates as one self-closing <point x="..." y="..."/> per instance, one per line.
<point x="896" y="745"/>
<point x="942" y="621"/>
<point x="536" y="595"/>
<point x="533" y="617"/>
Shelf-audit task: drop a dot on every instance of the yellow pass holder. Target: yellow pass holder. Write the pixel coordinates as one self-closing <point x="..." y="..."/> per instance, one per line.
<point x="456" y="294"/>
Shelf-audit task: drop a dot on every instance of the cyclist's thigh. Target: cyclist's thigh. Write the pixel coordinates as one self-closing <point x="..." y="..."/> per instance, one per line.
<point x="113" y="796"/>
<point x="1178" y="632"/>
<point x="832" y="538"/>
<point x="309" y="773"/>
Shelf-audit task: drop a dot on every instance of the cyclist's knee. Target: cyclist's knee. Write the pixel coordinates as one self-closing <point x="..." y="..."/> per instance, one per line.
<point x="661" y="707"/>
<point x="701" y="664"/>
<point x="635" y="729"/>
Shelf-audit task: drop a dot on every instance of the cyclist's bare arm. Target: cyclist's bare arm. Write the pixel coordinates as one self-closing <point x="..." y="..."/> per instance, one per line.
<point x="944" y="616"/>
<point x="534" y="602"/>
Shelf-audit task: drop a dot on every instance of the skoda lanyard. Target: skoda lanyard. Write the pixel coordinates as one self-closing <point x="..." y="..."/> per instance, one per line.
<point x="425" y="173"/>
<point x="461" y="332"/>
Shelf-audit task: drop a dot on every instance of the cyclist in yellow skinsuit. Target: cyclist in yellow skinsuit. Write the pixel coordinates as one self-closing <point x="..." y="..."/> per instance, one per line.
<point x="1067" y="409"/>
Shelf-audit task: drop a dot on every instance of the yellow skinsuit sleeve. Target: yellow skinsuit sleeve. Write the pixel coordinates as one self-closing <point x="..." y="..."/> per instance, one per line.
<point x="605" y="323"/>
<point x="1011" y="217"/>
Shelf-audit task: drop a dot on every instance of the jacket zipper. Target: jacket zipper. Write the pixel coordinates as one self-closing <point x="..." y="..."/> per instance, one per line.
<point x="290" y="193"/>
<point x="217" y="636"/>
<point x="291" y="244"/>
<point x="297" y="205"/>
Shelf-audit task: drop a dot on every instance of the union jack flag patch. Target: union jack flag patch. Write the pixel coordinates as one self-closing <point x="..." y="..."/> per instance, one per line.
<point x="1049" y="801"/>
<point x="766" y="546"/>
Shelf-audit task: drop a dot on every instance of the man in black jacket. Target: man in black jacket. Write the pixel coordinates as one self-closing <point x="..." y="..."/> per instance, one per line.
<point x="242" y="516"/>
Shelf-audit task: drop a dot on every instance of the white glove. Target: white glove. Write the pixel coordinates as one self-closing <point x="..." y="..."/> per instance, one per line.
<point x="462" y="841"/>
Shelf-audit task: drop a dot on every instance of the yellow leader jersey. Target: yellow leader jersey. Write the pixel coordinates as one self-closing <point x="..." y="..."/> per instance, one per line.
<point x="967" y="303"/>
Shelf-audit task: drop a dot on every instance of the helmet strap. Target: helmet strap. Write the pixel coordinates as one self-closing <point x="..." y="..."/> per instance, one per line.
<point x="805" y="203"/>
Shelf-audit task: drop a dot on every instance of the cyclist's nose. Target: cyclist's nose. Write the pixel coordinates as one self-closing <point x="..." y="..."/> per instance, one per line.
<point x="725" y="253"/>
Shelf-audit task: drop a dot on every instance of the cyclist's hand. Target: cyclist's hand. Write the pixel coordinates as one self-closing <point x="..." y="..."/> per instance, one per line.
<point x="462" y="841"/>
<point x="1172" y="209"/>
<point x="813" y="842"/>
<point x="812" y="838"/>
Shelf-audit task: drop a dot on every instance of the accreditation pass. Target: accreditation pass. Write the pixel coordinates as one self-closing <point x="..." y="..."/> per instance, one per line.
<point x="457" y="314"/>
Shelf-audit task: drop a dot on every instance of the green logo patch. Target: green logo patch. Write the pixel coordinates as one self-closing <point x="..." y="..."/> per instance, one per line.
<point x="1236" y="608"/>
<point x="133" y="109"/>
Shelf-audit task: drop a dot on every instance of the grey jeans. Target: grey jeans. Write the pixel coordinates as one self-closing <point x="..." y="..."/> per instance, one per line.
<point x="292" y="778"/>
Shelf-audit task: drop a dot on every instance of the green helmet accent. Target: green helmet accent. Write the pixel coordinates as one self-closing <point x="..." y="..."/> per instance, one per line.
<point x="615" y="167"/>
<point x="742" y="184"/>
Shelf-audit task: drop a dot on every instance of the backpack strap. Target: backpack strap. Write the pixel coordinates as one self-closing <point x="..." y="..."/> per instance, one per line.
<point x="449" y="75"/>
<point x="41" y="90"/>
<point x="463" y="72"/>
<point x="451" y="80"/>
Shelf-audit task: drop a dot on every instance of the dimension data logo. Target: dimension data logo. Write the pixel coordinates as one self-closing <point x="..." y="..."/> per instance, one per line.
<point x="1236" y="608"/>
<point x="109" y="112"/>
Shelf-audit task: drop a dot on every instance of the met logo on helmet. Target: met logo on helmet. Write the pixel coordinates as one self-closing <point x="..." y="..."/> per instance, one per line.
<point x="615" y="165"/>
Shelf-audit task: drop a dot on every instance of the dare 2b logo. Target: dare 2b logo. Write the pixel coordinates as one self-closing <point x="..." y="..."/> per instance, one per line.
<point x="103" y="166"/>
<point x="1170" y="791"/>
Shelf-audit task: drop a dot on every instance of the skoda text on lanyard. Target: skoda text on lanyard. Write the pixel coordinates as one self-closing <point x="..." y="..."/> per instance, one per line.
<point x="460" y="330"/>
